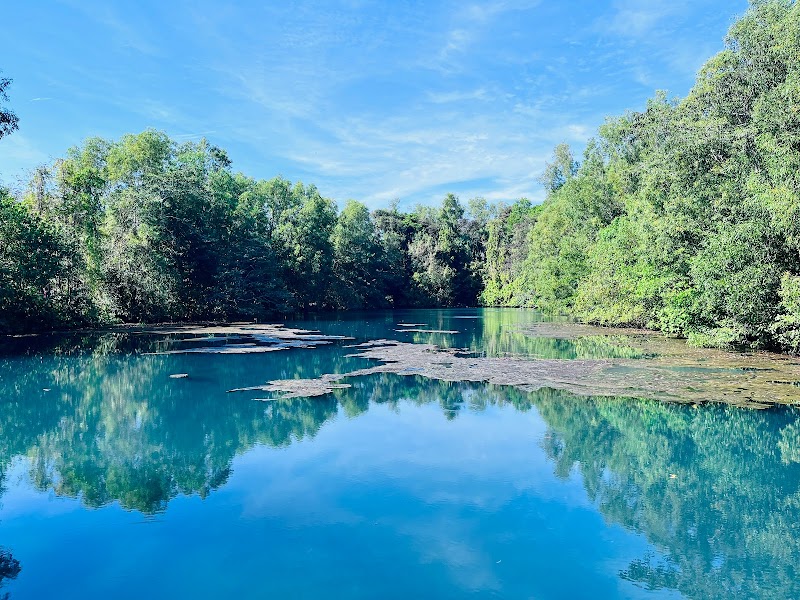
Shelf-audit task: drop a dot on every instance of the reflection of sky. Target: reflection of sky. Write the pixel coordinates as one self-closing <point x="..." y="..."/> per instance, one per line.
<point x="403" y="502"/>
<point x="442" y="489"/>
<point x="489" y="331"/>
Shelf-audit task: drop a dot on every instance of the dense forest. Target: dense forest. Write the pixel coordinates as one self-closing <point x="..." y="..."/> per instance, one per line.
<point x="144" y="229"/>
<point x="684" y="217"/>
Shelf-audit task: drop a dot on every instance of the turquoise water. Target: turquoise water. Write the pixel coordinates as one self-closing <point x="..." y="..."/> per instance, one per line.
<point x="120" y="482"/>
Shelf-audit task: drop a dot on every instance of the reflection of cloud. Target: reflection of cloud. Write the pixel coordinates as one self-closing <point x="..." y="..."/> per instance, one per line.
<point x="451" y="495"/>
<point x="449" y="541"/>
<point x="22" y="500"/>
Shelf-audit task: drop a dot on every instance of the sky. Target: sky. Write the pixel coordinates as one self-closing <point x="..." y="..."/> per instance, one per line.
<point x="370" y="100"/>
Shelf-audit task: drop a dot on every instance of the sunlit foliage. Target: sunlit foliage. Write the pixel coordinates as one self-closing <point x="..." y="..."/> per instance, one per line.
<point x="683" y="217"/>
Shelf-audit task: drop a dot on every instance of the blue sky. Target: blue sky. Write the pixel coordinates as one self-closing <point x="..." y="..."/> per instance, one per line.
<point x="369" y="100"/>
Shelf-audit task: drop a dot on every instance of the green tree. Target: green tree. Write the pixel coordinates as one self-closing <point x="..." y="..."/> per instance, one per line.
<point x="9" y="121"/>
<point x="683" y="216"/>
<point x="561" y="169"/>
<point x="441" y="252"/>
<point x="31" y="257"/>
<point x="305" y="239"/>
<point x="357" y="259"/>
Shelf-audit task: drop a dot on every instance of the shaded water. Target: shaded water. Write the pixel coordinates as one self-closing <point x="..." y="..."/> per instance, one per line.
<point x="118" y="481"/>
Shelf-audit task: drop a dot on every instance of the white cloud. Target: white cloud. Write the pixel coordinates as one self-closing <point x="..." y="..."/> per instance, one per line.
<point x="458" y="96"/>
<point x="371" y="100"/>
<point x="636" y="18"/>
<point x="124" y="32"/>
<point x="18" y="153"/>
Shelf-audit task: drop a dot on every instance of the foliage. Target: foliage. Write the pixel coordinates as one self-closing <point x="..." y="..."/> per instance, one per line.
<point x="143" y="229"/>
<point x="686" y="216"/>
<point x="506" y="250"/>
<point x="34" y="275"/>
<point x="8" y="119"/>
<point x="683" y="217"/>
<point x="357" y="259"/>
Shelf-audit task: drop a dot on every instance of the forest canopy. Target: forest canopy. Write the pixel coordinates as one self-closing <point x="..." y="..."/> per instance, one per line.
<point x="145" y="229"/>
<point x="684" y="217"/>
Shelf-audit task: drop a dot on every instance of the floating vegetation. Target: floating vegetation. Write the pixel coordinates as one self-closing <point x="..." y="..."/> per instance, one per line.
<point x="574" y="331"/>
<point x="691" y="376"/>
<point x="448" y="331"/>
<point x="240" y="338"/>
<point x="299" y="388"/>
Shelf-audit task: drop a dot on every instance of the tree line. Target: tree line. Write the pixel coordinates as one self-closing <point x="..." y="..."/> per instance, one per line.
<point x="683" y="217"/>
<point x="146" y="229"/>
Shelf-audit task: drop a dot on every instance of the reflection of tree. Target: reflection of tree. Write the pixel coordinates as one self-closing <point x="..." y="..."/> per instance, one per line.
<point x="114" y="429"/>
<point x="503" y="334"/>
<point x="715" y="489"/>
<point x="653" y="577"/>
<point x="453" y="397"/>
<point x="707" y="486"/>
<point x="9" y="568"/>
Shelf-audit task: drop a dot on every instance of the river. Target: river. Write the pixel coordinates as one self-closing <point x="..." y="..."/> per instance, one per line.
<point x="120" y="481"/>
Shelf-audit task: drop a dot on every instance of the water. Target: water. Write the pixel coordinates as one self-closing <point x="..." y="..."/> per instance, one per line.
<point x="121" y="482"/>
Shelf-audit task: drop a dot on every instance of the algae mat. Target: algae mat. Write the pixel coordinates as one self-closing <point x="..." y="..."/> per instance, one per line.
<point x="669" y="370"/>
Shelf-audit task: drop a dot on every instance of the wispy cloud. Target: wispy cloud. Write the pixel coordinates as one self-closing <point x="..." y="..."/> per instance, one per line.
<point x="123" y="30"/>
<point x="193" y="135"/>
<point x="18" y="156"/>
<point x="367" y="99"/>
<point x="458" y="96"/>
<point x="467" y="29"/>
<point x="636" y="18"/>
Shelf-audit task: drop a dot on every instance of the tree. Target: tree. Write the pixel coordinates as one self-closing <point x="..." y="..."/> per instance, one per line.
<point x="562" y="168"/>
<point x="441" y="251"/>
<point x="305" y="241"/>
<point x="31" y="257"/>
<point x="145" y="229"/>
<point x="506" y="251"/>
<point x="357" y="259"/>
<point x="683" y="216"/>
<point x="9" y="122"/>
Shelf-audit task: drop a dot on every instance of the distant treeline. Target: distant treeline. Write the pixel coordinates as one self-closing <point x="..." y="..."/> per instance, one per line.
<point x="684" y="218"/>
<point x="145" y="229"/>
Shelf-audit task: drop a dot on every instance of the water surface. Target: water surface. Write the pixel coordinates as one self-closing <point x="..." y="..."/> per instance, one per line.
<point x="118" y="481"/>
